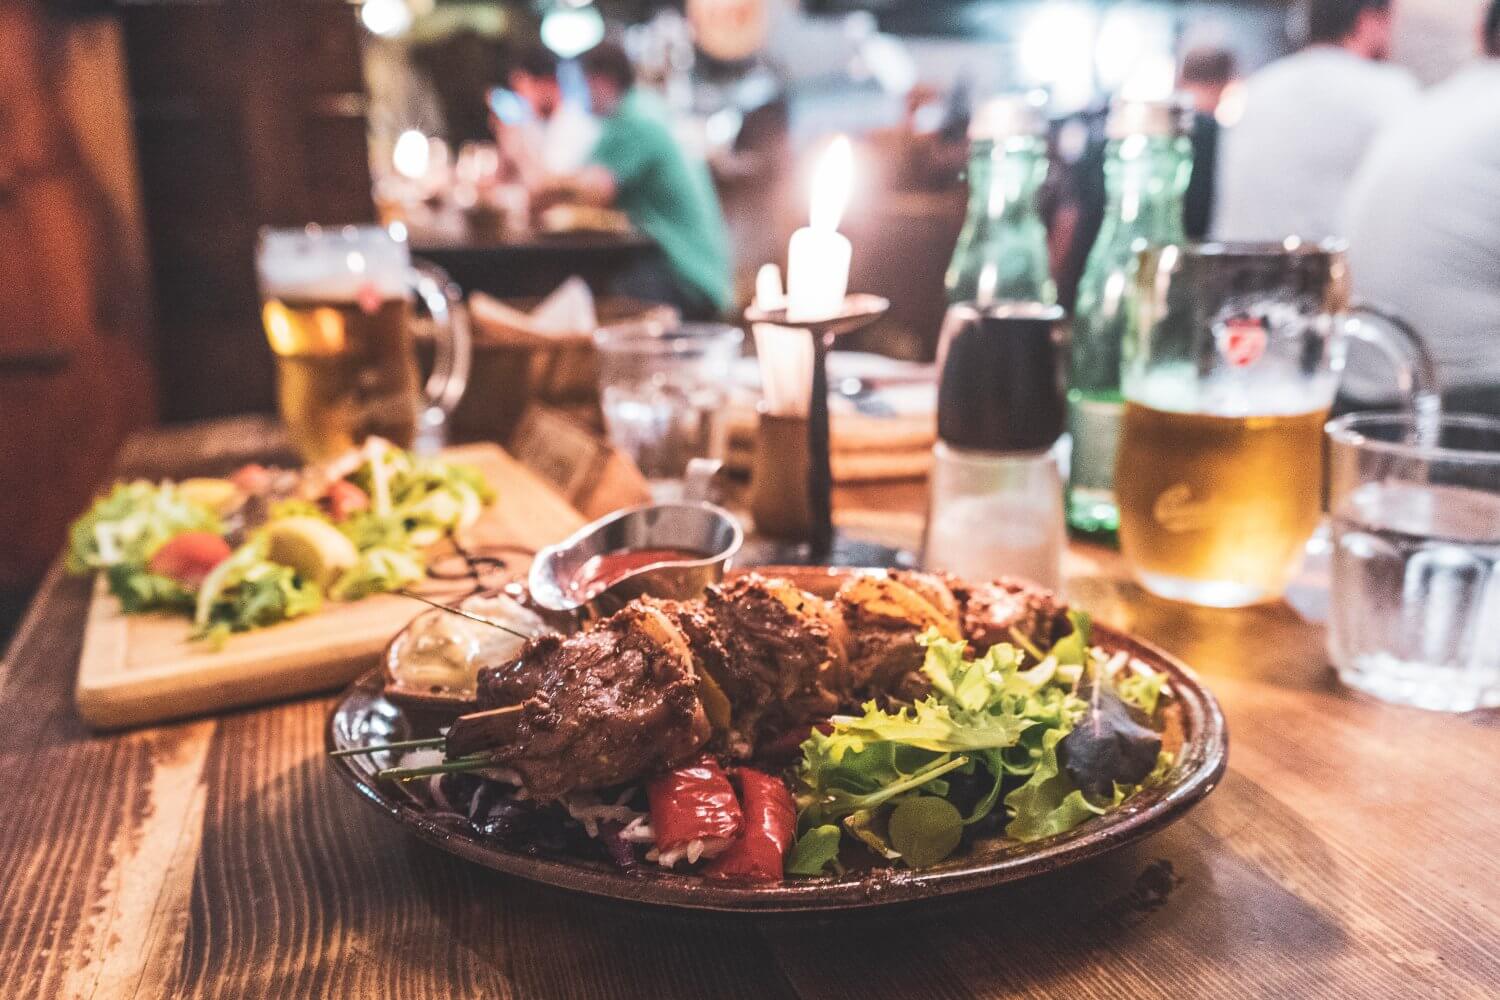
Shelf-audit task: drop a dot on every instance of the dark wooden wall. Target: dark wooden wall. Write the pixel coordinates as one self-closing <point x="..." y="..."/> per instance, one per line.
<point x="247" y="113"/>
<point x="75" y="371"/>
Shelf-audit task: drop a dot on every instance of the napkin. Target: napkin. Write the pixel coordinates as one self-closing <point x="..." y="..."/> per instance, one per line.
<point x="568" y="312"/>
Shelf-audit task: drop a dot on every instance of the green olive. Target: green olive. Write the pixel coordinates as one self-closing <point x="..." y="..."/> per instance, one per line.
<point x="925" y="830"/>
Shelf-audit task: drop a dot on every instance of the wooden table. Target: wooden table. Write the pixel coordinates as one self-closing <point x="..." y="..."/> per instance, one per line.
<point x="1351" y="852"/>
<point x="521" y="266"/>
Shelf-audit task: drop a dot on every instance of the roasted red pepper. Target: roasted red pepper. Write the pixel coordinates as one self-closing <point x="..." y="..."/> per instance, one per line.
<point x="760" y="850"/>
<point x="695" y="802"/>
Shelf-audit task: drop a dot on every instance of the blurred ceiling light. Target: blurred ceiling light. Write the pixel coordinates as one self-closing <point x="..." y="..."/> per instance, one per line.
<point x="386" y="18"/>
<point x="1122" y="44"/>
<point x="1057" y="49"/>
<point x="1153" y="78"/>
<point x="411" y="155"/>
<point x="571" y="31"/>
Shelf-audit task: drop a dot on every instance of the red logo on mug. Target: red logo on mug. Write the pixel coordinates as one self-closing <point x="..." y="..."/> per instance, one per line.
<point x="1243" y="341"/>
<point x="368" y="297"/>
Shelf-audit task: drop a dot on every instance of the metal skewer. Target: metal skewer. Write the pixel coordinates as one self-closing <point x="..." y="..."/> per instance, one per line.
<point x="463" y="614"/>
<point x="431" y="741"/>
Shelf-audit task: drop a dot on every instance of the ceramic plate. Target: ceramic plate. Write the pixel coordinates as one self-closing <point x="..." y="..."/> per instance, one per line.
<point x="1194" y="726"/>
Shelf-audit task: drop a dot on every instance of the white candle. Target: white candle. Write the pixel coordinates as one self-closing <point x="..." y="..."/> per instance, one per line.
<point x="817" y="265"/>
<point x="769" y="295"/>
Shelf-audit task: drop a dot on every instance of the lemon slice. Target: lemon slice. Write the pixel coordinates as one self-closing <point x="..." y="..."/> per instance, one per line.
<point x="314" y="548"/>
<point x="218" y="495"/>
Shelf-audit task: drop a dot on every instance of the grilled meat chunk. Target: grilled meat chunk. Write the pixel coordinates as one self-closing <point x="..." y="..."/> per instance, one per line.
<point x="992" y="609"/>
<point x="883" y="615"/>
<point x="783" y="662"/>
<point x="595" y="709"/>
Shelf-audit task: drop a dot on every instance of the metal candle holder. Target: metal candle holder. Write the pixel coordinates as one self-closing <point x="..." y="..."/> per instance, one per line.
<point x="859" y="311"/>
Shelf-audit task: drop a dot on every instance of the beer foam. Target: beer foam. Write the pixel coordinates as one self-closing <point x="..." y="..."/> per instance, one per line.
<point x="1179" y="389"/>
<point x="336" y="265"/>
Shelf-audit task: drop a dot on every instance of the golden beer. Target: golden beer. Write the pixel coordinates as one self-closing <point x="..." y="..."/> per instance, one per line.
<point x="345" y="370"/>
<point x="1217" y="509"/>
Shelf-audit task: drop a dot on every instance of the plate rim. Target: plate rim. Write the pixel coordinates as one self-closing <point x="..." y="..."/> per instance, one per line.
<point x="1202" y="715"/>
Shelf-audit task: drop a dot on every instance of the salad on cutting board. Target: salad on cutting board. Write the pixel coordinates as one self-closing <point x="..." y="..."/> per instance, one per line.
<point x="264" y="545"/>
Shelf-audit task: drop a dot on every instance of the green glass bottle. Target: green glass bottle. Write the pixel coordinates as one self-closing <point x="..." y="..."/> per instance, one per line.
<point x="1001" y="253"/>
<point x="1146" y="168"/>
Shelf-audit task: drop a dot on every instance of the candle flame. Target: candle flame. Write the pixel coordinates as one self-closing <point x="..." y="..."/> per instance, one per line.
<point x="831" y="181"/>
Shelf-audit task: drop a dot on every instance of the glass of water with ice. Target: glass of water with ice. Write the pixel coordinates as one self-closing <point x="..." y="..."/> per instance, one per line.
<point x="1415" y="603"/>
<point x="663" y="390"/>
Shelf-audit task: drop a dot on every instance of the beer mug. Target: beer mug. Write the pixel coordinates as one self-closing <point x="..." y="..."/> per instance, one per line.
<point x="1228" y="379"/>
<point x="337" y="305"/>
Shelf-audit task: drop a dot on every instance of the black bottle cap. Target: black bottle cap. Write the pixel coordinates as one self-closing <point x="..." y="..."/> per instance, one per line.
<point x="1001" y="377"/>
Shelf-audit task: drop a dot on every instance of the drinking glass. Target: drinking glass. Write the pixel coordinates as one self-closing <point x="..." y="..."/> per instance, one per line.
<point x="662" y="391"/>
<point x="1228" y="379"/>
<point x="337" y="305"/>
<point x="1415" y="602"/>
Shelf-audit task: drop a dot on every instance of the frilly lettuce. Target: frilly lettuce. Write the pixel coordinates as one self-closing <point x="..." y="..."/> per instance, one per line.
<point x="128" y="524"/>
<point x="1050" y="803"/>
<point x="248" y="591"/>
<point x="139" y="589"/>
<point x="378" y="571"/>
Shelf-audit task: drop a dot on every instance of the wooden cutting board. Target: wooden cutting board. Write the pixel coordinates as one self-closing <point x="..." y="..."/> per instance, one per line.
<point x="144" y="668"/>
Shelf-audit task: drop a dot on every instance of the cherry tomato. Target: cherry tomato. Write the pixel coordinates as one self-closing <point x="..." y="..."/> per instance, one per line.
<point x="252" y="478"/>
<point x="189" y="557"/>
<point x="344" y="498"/>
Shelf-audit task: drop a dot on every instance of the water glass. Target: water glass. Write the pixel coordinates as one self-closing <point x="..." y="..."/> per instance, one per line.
<point x="663" y="391"/>
<point x="1415" y="602"/>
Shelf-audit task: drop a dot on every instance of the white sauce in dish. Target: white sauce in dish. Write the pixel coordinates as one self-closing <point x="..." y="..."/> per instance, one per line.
<point x="442" y="652"/>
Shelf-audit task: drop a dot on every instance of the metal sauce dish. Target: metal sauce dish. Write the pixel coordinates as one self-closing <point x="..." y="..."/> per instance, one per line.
<point x="692" y="527"/>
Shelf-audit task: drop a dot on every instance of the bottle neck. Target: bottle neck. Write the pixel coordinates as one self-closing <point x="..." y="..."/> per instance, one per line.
<point x="1145" y="179"/>
<point x="1004" y="178"/>
<point x="1001" y="254"/>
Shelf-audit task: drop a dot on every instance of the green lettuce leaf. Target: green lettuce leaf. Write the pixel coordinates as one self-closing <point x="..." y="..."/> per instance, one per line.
<point x="248" y="591"/>
<point x="1049" y="803"/>
<point x="378" y="571"/>
<point x="814" y="851"/>
<point x="1072" y="650"/>
<point x="1141" y="690"/>
<point x="141" y="590"/>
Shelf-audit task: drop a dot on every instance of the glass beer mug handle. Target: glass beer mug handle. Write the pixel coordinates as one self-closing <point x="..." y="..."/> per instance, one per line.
<point x="452" y="353"/>
<point x="1416" y="376"/>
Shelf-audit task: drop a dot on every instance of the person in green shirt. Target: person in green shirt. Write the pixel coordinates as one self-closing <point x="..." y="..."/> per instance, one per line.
<point x="638" y="167"/>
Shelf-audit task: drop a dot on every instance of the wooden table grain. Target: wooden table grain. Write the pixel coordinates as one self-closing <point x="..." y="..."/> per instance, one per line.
<point x="1350" y="852"/>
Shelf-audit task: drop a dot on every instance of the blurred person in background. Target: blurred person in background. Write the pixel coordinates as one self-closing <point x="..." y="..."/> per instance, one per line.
<point x="1308" y="119"/>
<point x="1424" y="229"/>
<point x="638" y="167"/>
<point x="1206" y="72"/>
<point x="557" y="134"/>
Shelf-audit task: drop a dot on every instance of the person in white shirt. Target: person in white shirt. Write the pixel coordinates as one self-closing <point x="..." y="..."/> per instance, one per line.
<point x="1424" y="229"/>
<point x="1307" y="120"/>
<point x="558" y="134"/>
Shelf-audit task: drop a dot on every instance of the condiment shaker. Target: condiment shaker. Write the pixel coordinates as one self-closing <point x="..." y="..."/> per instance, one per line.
<point x="996" y="506"/>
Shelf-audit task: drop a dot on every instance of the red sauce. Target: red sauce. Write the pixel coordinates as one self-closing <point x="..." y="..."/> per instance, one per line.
<point x="603" y="571"/>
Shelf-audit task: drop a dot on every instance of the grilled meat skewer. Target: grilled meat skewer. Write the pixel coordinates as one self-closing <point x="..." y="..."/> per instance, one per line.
<point x="598" y="708"/>
<point x="635" y="694"/>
